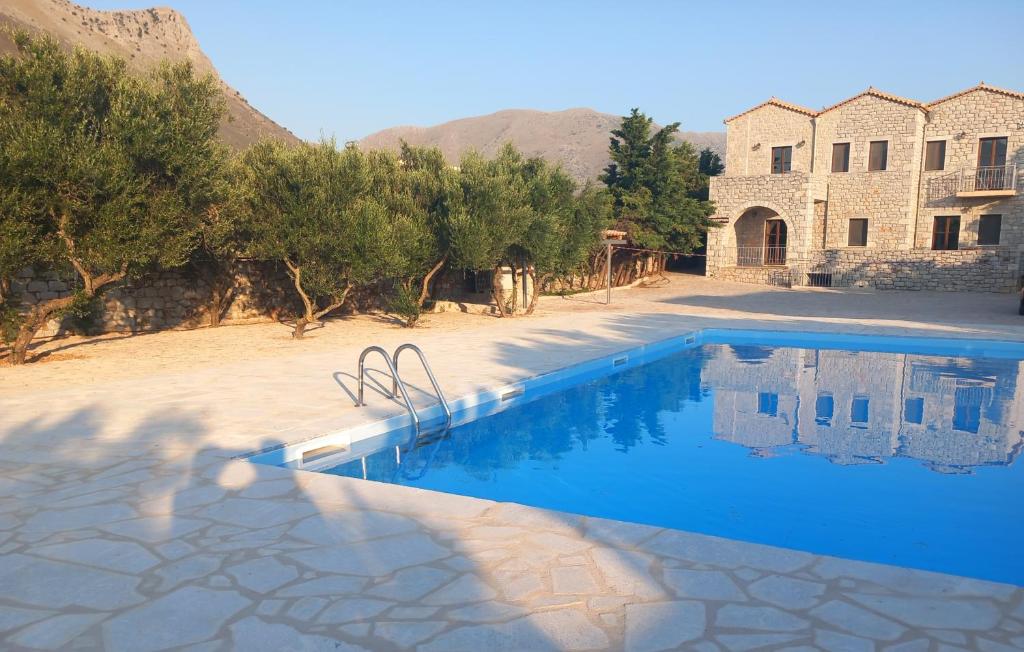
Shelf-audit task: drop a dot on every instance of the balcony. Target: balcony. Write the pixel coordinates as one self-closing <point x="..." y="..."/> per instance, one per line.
<point x="986" y="181"/>
<point x="760" y="256"/>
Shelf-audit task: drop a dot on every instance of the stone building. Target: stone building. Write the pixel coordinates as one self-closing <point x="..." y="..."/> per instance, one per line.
<point x="877" y="190"/>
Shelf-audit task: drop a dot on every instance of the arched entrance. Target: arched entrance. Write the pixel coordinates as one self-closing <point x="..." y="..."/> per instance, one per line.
<point x="761" y="238"/>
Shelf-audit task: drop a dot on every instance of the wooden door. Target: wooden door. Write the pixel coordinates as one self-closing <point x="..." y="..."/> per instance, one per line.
<point x="774" y="242"/>
<point x="991" y="164"/>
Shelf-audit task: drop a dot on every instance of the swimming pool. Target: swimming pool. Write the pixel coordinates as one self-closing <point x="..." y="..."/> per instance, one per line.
<point x="895" y="450"/>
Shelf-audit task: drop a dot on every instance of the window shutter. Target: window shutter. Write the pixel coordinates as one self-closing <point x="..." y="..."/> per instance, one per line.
<point x="878" y="155"/>
<point x="935" y="155"/>
<point x="988" y="229"/>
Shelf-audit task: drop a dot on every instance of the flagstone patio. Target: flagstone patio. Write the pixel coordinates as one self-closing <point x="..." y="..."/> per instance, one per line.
<point x="126" y="525"/>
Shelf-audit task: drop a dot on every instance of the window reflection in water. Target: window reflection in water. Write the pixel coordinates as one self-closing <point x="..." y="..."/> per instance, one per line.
<point x="861" y="407"/>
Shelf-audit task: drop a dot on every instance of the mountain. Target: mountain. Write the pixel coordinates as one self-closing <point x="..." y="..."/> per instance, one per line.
<point x="142" y="37"/>
<point x="578" y="138"/>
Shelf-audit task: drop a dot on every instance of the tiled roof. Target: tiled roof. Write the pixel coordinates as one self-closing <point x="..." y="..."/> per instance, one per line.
<point x="774" y="101"/>
<point x="980" y="87"/>
<point x="874" y="92"/>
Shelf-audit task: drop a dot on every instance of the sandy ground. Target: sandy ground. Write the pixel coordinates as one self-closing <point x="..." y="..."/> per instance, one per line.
<point x="74" y="361"/>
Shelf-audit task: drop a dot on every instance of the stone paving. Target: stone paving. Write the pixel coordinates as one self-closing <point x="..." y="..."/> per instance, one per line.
<point x="125" y="525"/>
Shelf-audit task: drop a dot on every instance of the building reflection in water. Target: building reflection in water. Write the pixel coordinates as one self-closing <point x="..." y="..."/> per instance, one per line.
<point x="861" y="407"/>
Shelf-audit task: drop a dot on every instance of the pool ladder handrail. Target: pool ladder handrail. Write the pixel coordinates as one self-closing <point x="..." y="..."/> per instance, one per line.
<point x="396" y="379"/>
<point x="398" y="385"/>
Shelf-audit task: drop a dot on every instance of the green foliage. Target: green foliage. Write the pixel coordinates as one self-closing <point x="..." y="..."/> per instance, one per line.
<point x="20" y="237"/>
<point x="405" y="303"/>
<point x="654" y="183"/>
<point x="517" y="210"/>
<point x="338" y="219"/>
<point x="436" y="201"/>
<point x="119" y="165"/>
<point x="107" y="173"/>
<point x="710" y="163"/>
<point x="83" y="314"/>
<point x="10" y="320"/>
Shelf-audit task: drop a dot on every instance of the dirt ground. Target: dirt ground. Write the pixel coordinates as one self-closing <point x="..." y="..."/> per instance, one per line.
<point x="90" y="360"/>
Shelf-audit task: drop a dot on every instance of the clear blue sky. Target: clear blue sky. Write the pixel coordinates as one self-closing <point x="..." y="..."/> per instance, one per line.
<point x="348" y="69"/>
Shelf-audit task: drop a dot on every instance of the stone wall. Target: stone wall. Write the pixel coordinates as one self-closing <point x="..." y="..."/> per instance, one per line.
<point x="778" y="276"/>
<point x="961" y="270"/>
<point x="751" y="137"/>
<point x="168" y="299"/>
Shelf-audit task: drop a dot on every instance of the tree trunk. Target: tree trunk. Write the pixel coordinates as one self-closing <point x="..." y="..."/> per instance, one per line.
<point x="313" y="315"/>
<point x="597" y="271"/>
<point x="221" y="290"/>
<point x="34" y="320"/>
<point x="425" y="290"/>
<point x="42" y="312"/>
<point x="515" y="288"/>
<point x="535" y="295"/>
<point x="497" y="292"/>
<point x="216" y="307"/>
<point x="307" y="305"/>
<point x="37" y="317"/>
<point x="220" y="298"/>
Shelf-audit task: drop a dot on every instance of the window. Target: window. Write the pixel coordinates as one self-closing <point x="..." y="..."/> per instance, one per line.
<point x="768" y="403"/>
<point x="946" y="232"/>
<point x="782" y="159"/>
<point x="967" y="409"/>
<point x="824" y="406"/>
<point x="878" y="155"/>
<point x="992" y="152"/>
<point x="988" y="229"/>
<point x="858" y="232"/>
<point x="859" y="410"/>
<point x="841" y="157"/>
<point x="913" y="410"/>
<point x="935" y="155"/>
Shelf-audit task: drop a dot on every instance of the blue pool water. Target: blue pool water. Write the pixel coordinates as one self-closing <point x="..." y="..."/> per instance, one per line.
<point x="898" y="458"/>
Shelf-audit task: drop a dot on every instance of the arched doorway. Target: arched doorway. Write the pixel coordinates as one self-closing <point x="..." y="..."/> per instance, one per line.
<point x="761" y="238"/>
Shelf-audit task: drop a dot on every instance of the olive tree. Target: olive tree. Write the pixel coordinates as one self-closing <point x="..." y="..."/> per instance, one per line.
<point x="496" y="212"/>
<point x="327" y="214"/>
<point x="435" y="199"/>
<point x="221" y="235"/>
<point x="524" y="213"/>
<point x="565" y="235"/>
<point x="108" y="169"/>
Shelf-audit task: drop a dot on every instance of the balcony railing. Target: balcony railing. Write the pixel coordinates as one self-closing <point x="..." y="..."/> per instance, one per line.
<point x="760" y="256"/>
<point x="987" y="181"/>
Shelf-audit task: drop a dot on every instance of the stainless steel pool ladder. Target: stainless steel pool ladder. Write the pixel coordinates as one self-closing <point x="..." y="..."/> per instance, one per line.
<point x="397" y="385"/>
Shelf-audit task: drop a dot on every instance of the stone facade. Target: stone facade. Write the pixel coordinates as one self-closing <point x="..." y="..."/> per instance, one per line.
<point x="900" y="202"/>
